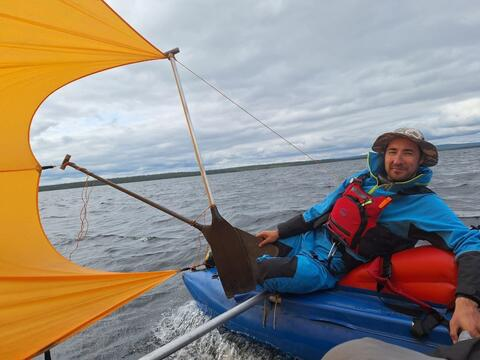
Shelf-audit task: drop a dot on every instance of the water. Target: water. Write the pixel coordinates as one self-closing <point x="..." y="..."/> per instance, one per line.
<point x="126" y="235"/>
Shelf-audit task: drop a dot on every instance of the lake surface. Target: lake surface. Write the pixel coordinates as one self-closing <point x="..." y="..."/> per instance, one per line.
<point x="127" y="235"/>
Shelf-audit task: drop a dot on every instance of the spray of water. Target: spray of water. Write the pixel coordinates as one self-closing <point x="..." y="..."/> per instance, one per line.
<point x="218" y="344"/>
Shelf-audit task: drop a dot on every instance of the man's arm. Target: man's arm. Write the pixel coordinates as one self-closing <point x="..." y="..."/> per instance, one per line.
<point x="443" y="229"/>
<point x="467" y="314"/>
<point x="304" y="222"/>
<point x="465" y="317"/>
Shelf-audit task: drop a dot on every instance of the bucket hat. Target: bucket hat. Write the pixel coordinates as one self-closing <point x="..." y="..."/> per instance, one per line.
<point x="430" y="153"/>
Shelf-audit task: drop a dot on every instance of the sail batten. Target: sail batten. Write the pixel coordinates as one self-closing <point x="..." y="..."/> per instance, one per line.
<point x="44" y="45"/>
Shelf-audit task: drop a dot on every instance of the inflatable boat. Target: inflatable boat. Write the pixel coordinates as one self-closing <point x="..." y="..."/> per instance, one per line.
<point x="307" y="326"/>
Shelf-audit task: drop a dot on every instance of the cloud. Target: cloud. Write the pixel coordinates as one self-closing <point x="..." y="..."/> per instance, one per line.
<point x="328" y="76"/>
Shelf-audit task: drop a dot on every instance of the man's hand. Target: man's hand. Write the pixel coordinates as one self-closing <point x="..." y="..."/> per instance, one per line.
<point x="465" y="317"/>
<point x="267" y="237"/>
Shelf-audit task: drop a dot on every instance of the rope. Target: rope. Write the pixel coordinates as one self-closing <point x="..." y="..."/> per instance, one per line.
<point x="246" y="111"/>
<point x="201" y="214"/>
<point x="198" y="256"/>
<point x="86" y="191"/>
<point x="192" y="268"/>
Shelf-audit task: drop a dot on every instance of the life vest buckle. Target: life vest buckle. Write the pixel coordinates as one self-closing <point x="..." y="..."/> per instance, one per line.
<point x="367" y="202"/>
<point x="332" y="251"/>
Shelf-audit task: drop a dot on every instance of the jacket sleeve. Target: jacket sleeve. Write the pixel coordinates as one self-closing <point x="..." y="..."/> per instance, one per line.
<point x="468" y="280"/>
<point x="294" y="226"/>
<point x="437" y="222"/>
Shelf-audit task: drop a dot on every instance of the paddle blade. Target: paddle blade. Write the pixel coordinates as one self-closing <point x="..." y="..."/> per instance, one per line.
<point x="235" y="252"/>
<point x="251" y="245"/>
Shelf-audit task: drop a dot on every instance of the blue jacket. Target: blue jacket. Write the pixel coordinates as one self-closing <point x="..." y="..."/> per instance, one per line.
<point x="423" y="214"/>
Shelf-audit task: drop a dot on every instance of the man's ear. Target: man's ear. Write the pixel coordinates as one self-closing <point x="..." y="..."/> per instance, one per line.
<point x="422" y="157"/>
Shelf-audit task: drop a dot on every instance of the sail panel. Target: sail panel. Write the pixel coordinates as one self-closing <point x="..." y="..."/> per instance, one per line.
<point x="38" y="312"/>
<point x="44" y="298"/>
<point x="47" y="44"/>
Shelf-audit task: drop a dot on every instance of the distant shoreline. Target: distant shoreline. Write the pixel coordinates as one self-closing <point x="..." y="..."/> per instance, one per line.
<point x="172" y="175"/>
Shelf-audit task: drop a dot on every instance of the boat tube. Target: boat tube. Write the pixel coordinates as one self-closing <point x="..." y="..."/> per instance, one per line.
<point x="308" y="325"/>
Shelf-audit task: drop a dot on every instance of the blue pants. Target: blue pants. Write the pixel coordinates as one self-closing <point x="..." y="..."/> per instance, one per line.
<point x="304" y="268"/>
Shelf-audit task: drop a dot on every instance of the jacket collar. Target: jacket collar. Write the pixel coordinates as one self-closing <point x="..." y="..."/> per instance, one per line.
<point x="376" y="167"/>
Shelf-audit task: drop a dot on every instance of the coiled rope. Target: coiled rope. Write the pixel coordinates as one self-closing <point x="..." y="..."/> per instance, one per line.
<point x="86" y="192"/>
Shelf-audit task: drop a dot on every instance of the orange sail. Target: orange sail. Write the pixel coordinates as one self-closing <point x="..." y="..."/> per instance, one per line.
<point x="44" y="298"/>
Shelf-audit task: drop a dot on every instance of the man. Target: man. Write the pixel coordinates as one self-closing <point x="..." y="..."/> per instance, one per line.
<point x="317" y="248"/>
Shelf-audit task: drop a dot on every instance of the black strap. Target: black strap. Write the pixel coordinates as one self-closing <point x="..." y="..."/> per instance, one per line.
<point x="387" y="266"/>
<point x="363" y="222"/>
<point x="321" y="220"/>
<point x="423" y="325"/>
<point x="386" y="271"/>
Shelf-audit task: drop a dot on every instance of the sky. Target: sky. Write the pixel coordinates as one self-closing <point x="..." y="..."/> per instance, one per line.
<point x="328" y="76"/>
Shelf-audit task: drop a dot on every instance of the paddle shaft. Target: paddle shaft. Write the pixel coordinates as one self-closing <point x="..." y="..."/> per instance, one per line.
<point x="190" y="337"/>
<point x="190" y="222"/>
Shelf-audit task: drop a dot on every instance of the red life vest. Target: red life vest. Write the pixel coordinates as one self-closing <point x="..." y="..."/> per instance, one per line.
<point x="355" y="213"/>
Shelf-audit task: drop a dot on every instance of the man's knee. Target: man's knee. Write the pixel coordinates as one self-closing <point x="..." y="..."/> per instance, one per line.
<point x="276" y="267"/>
<point x="373" y="349"/>
<point x="298" y="274"/>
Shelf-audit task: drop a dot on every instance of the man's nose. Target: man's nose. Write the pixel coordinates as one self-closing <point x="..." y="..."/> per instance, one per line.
<point x="397" y="159"/>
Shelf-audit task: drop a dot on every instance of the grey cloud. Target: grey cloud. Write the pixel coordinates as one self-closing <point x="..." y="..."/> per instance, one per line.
<point x="43" y="127"/>
<point x="328" y="76"/>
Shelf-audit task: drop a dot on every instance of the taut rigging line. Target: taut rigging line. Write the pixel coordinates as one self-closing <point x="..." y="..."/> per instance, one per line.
<point x="246" y="111"/>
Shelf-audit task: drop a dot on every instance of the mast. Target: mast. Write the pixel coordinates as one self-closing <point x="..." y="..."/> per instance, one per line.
<point x="171" y="57"/>
<point x="235" y="251"/>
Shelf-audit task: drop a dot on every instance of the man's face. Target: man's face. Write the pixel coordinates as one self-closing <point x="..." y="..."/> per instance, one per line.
<point x="402" y="159"/>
